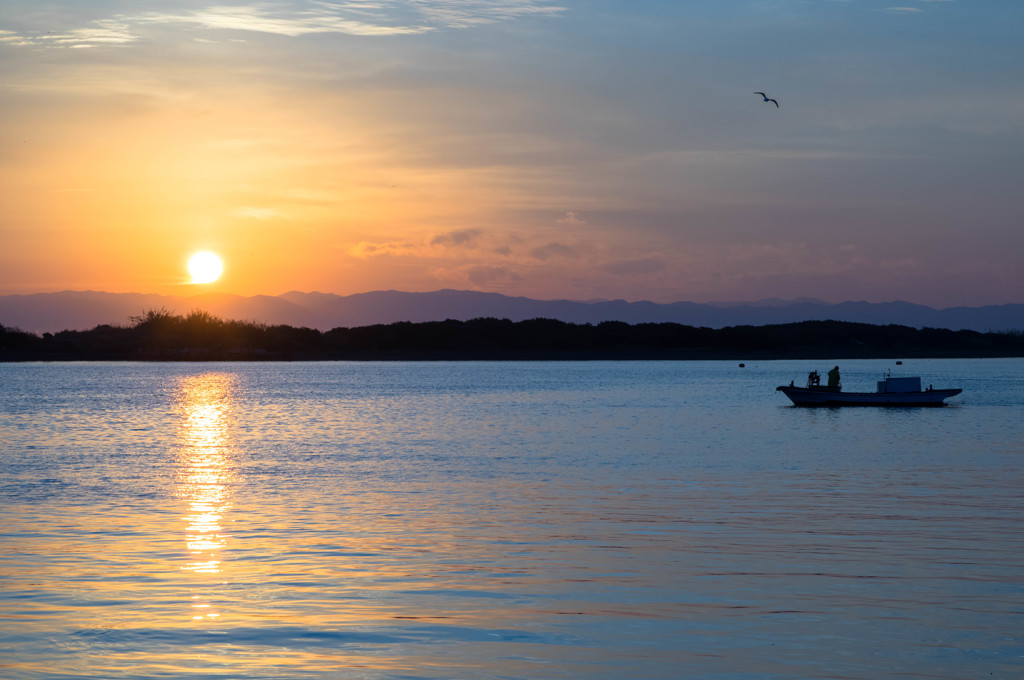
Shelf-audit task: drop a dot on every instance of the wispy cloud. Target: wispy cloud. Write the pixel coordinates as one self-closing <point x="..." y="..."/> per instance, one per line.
<point x="294" y="19"/>
<point x="906" y="9"/>
<point x="745" y="156"/>
<point x="571" y="217"/>
<point x="365" y="250"/>
<point x="318" y="17"/>
<point x="484" y="275"/>
<point x="480" y="276"/>
<point x="458" y="238"/>
<point x="550" y="250"/>
<point x="433" y="246"/>
<point x="97" y="33"/>
<point x="463" y="13"/>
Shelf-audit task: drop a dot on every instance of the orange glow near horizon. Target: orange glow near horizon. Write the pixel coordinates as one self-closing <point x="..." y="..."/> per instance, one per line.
<point x="316" y="165"/>
<point x="289" y="200"/>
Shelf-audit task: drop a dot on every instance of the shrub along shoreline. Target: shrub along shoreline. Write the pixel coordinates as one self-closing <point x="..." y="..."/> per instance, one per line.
<point x="158" y="335"/>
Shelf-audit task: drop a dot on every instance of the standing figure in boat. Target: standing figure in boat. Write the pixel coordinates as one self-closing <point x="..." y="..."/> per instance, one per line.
<point x="833" y="377"/>
<point x="813" y="379"/>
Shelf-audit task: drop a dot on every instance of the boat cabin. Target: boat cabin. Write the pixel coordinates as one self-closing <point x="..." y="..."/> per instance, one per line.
<point x="899" y="385"/>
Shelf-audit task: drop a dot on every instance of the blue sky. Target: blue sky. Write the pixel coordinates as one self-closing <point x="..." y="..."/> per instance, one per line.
<point x="550" y="149"/>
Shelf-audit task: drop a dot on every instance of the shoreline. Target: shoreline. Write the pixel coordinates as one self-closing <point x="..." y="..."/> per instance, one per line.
<point x="162" y="337"/>
<point x="510" y="357"/>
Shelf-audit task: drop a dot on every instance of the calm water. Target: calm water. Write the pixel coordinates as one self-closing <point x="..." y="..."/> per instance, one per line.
<point x="506" y="520"/>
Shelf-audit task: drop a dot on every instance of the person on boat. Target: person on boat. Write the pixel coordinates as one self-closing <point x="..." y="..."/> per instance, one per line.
<point x="813" y="379"/>
<point x="833" y="377"/>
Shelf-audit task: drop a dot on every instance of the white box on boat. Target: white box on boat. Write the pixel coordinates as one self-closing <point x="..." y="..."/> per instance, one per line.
<point x="899" y="385"/>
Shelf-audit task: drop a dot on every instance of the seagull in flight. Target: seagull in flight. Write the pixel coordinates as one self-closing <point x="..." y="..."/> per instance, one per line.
<point x="767" y="99"/>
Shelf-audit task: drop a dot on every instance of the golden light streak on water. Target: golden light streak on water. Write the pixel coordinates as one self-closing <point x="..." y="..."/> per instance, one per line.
<point x="205" y="455"/>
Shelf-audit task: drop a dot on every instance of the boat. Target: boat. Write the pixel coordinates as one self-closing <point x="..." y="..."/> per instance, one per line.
<point x="891" y="392"/>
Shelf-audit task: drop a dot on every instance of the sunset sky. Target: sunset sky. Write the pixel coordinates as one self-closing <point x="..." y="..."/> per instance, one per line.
<point x="572" y="149"/>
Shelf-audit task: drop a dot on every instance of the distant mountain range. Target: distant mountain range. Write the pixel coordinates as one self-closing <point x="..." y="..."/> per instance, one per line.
<point x="82" y="310"/>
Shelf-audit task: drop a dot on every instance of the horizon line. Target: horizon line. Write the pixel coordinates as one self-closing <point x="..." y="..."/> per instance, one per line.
<point x="777" y="301"/>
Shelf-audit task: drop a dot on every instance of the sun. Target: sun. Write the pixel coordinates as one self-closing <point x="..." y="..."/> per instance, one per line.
<point x="205" y="267"/>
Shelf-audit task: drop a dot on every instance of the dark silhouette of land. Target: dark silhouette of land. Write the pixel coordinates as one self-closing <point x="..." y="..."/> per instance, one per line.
<point x="53" y="312"/>
<point x="201" y="336"/>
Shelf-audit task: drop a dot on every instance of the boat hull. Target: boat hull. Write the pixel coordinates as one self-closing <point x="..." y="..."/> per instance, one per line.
<point x="803" y="396"/>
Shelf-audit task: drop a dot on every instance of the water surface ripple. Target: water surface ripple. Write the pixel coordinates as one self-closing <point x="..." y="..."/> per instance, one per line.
<point x="506" y="520"/>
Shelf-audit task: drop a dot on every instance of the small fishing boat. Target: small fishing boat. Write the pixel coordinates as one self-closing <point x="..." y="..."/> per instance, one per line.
<point x="891" y="392"/>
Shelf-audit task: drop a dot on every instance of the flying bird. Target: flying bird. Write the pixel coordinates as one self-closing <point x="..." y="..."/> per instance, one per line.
<point x="767" y="99"/>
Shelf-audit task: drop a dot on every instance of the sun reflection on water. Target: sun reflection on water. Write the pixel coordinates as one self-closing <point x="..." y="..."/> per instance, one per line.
<point x="205" y="455"/>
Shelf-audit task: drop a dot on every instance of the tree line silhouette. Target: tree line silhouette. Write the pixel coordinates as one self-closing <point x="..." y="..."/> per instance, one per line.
<point x="159" y="335"/>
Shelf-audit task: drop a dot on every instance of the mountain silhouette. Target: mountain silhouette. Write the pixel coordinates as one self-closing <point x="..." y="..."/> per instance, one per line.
<point x="81" y="310"/>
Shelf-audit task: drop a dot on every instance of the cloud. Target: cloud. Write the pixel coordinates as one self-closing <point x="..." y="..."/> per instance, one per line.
<point x="318" y="17"/>
<point x="478" y="276"/>
<point x="464" y="13"/>
<point x="903" y="10"/>
<point x="98" y="33"/>
<point x="550" y="250"/>
<point x="571" y="217"/>
<point x="485" y="275"/>
<point x="740" y="157"/>
<point x="365" y="250"/>
<point x="294" y="19"/>
<point x="780" y="258"/>
<point x="458" y="238"/>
